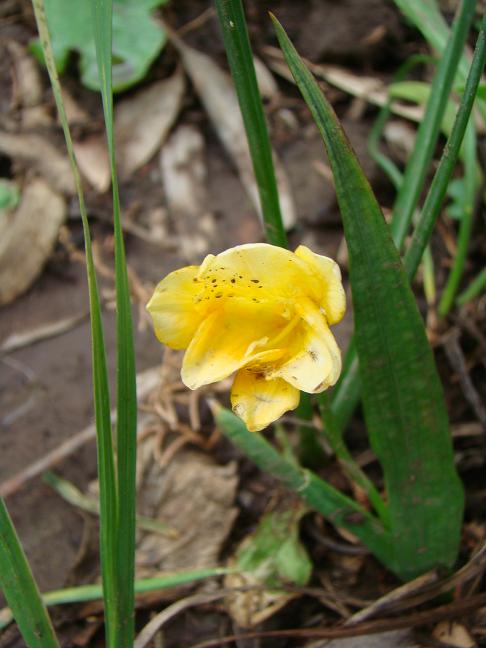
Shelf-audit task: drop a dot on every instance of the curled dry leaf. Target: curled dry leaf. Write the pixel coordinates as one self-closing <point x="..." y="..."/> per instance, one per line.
<point x="27" y="237"/>
<point x="219" y="99"/>
<point x="143" y="121"/>
<point x="184" y="176"/>
<point x="195" y="496"/>
<point x="36" y="152"/>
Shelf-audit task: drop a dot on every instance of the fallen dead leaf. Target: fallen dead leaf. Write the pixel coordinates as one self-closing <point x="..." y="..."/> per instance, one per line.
<point x="36" y="152"/>
<point x="217" y="94"/>
<point x="266" y="81"/>
<point x="143" y="122"/>
<point x="27" y="238"/>
<point x="372" y="89"/>
<point x="93" y="162"/>
<point x="193" y="495"/>
<point x="184" y="176"/>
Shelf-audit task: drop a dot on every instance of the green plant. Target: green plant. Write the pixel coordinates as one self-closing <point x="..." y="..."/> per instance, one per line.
<point x="137" y="39"/>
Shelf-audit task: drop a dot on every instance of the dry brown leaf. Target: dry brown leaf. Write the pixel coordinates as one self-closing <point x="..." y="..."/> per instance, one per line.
<point x="93" y="162"/>
<point x="193" y="495"/>
<point x="35" y="151"/>
<point x="218" y="97"/>
<point x="453" y="634"/>
<point x="143" y="121"/>
<point x="266" y="81"/>
<point x="184" y="176"/>
<point x="372" y="89"/>
<point x="27" y="237"/>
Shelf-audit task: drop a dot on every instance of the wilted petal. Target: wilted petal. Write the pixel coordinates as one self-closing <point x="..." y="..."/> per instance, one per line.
<point x="258" y="401"/>
<point x="259" y="272"/>
<point x="173" y="308"/>
<point x="333" y="299"/>
<point x="314" y="362"/>
<point x="227" y="340"/>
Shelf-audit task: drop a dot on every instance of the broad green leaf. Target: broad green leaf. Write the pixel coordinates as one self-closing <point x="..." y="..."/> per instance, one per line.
<point x="137" y="39"/>
<point x="347" y="391"/>
<point x="20" y="590"/>
<point x="402" y="395"/>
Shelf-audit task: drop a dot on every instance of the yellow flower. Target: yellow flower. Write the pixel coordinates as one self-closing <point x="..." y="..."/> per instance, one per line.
<point x="262" y="312"/>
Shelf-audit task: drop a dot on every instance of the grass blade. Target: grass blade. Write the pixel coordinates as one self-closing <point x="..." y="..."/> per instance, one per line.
<point x="448" y="161"/>
<point x="238" y="50"/>
<point x="475" y="288"/>
<point x="429" y="128"/>
<point x="94" y="592"/>
<point x="106" y="468"/>
<point x="402" y="395"/>
<point x="320" y="495"/>
<point x="123" y="632"/>
<point x="20" y="589"/>
<point x="466" y="223"/>
<point x="428" y="19"/>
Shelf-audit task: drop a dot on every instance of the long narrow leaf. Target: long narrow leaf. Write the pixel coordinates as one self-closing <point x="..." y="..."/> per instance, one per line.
<point x="402" y="395"/>
<point x="346" y="393"/>
<point x="320" y="495"/>
<point x="238" y="50"/>
<point x="85" y="593"/>
<point x="126" y="387"/>
<point x="449" y="157"/>
<point x="106" y="469"/>
<point x="20" y="590"/>
<point x="428" y="19"/>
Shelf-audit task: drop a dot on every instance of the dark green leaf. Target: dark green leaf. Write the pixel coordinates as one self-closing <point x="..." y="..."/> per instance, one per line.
<point x="402" y="395"/>
<point x="20" y="590"/>
<point x="137" y="39"/>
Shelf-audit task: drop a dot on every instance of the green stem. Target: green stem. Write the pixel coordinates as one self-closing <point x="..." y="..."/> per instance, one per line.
<point x="474" y="289"/>
<point x="311" y="455"/>
<point x="238" y="50"/>
<point x="466" y="223"/>
<point x="347" y="461"/>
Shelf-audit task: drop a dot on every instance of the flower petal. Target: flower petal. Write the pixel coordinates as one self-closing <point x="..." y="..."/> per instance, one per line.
<point x="260" y="402"/>
<point x="227" y="340"/>
<point x="333" y="299"/>
<point x="260" y="273"/>
<point x="173" y="308"/>
<point x="315" y="360"/>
